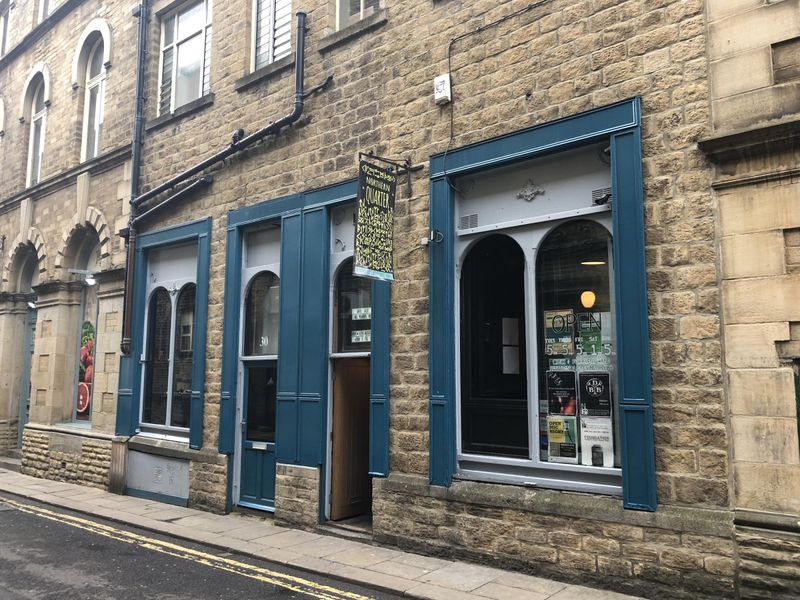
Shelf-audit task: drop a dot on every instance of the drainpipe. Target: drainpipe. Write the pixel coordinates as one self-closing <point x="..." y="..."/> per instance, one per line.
<point x="136" y="157"/>
<point x="238" y="144"/>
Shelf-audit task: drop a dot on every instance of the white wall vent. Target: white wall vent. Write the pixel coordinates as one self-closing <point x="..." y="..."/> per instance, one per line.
<point x="468" y="221"/>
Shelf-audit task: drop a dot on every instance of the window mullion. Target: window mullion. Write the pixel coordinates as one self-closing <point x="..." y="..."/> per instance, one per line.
<point x="170" y="359"/>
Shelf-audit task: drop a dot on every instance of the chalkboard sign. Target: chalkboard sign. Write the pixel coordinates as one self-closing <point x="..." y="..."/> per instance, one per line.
<point x="374" y="224"/>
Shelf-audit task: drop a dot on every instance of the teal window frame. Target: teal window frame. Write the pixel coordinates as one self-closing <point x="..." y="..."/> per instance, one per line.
<point x="129" y="394"/>
<point x="618" y="124"/>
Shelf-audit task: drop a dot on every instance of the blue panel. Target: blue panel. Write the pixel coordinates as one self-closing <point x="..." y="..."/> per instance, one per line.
<point x="633" y="354"/>
<point x="636" y="437"/>
<point x="314" y="337"/>
<point x="287" y="411"/>
<point x="379" y="379"/>
<point x="556" y="135"/>
<point x="230" y="342"/>
<point x="442" y="338"/>
<point x="199" y="342"/>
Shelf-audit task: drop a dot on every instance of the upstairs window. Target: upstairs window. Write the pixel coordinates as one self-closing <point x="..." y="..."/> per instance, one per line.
<point x="3" y="27"/>
<point x="185" y="56"/>
<point x="272" y="32"/>
<point x="352" y="11"/>
<point x="93" y="102"/>
<point x="38" y="112"/>
<point x="45" y="8"/>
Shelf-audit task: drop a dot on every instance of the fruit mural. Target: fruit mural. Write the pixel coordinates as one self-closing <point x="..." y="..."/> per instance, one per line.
<point x="85" y="372"/>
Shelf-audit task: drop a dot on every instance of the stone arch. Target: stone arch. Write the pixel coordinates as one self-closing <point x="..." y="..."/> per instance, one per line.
<point x="31" y="241"/>
<point x="96" y="28"/>
<point x="94" y="223"/>
<point x="39" y="69"/>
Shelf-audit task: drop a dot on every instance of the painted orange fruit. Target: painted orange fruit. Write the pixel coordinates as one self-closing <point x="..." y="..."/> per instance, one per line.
<point x="83" y="398"/>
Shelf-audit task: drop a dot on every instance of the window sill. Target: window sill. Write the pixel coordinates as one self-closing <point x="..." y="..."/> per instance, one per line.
<point x="265" y="73"/>
<point x="180" y="112"/>
<point x="173" y="449"/>
<point x="353" y="31"/>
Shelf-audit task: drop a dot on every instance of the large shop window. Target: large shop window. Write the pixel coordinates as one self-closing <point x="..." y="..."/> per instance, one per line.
<point x="185" y="56"/>
<point x="537" y="378"/>
<point x="169" y="342"/>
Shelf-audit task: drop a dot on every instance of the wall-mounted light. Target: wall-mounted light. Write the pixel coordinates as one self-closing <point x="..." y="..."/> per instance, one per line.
<point x="32" y="305"/>
<point x="593" y="263"/>
<point x="90" y="280"/>
<point x="588" y="298"/>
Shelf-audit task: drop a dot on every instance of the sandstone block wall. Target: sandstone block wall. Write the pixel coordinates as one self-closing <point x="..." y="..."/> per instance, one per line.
<point x="768" y="563"/>
<point x="675" y="553"/>
<point x="297" y="496"/>
<point x="208" y="485"/>
<point x="63" y="456"/>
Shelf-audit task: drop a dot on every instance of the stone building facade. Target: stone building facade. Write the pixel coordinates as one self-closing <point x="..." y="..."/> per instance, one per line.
<point x="65" y="120"/>
<point x="262" y="374"/>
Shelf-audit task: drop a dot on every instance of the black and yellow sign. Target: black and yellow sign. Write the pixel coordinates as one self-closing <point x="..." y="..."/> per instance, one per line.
<point x="374" y="224"/>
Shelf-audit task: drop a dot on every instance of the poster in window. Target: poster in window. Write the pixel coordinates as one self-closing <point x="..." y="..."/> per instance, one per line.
<point x="562" y="438"/>
<point x="597" y="442"/>
<point x="375" y="222"/>
<point x="593" y="344"/>
<point x="559" y="332"/>
<point x="85" y="371"/>
<point x="595" y="394"/>
<point x="562" y="398"/>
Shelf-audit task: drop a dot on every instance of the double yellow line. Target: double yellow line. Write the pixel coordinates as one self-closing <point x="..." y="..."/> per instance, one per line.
<point x="296" y="584"/>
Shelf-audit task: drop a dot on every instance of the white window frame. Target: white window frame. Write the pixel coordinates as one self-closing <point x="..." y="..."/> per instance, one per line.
<point x="97" y="82"/>
<point x="268" y="39"/>
<point x="343" y="18"/>
<point x="41" y="116"/>
<point x="204" y="31"/>
<point x="45" y="8"/>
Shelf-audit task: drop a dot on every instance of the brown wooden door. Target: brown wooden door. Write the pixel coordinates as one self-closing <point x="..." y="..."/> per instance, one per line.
<point x="351" y="486"/>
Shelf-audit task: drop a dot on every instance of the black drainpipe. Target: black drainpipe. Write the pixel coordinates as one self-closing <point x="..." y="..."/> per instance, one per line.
<point x="237" y="145"/>
<point x="136" y="156"/>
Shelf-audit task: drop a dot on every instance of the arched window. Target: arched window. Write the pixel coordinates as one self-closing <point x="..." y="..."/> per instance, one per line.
<point x="93" y="101"/>
<point x="577" y="366"/>
<point x="38" y="110"/>
<point x="156" y="376"/>
<point x="353" y="309"/>
<point x="182" y="357"/>
<point x="262" y="315"/>
<point x="494" y="387"/>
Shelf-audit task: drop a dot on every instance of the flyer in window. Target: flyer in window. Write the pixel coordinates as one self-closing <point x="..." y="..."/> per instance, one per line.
<point x="593" y="341"/>
<point x="566" y="363"/>
<point x="562" y="398"/>
<point x="562" y="438"/>
<point x="559" y="331"/>
<point x="597" y="442"/>
<point x="595" y="394"/>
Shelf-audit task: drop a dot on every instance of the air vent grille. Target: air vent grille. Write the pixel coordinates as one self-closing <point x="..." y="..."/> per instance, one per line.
<point x="601" y="196"/>
<point x="468" y="221"/>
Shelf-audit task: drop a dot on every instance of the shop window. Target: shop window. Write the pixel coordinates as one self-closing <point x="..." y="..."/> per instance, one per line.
<point x="272" y="32"/>
<point x="185" y="56"/>
<point x="352" y="11"/>
<point x="353" y="309"/>
<point x="37" y="110"/>
<point x="93" y="101"/>
<point x="537" y="357"/>
<point x="168" y="359"/>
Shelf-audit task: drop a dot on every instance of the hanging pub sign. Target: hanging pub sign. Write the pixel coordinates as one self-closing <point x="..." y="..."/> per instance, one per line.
<point x="374" y="223"/>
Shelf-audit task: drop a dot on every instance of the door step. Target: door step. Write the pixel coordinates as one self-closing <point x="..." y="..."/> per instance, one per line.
<point x="11" y="462"/>
<point x="357" y="528"/>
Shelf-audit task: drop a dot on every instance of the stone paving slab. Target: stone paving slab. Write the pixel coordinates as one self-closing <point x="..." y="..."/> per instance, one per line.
<point x="388" y="569"/>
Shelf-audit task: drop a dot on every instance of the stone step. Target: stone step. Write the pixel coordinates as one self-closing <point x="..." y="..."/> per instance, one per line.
<point x="10" y="463"/>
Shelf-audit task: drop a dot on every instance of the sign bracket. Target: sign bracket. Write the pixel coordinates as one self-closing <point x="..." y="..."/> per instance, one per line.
<point x="398" y="168"/>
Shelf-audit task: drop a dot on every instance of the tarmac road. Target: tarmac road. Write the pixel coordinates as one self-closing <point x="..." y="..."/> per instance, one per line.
<point x="52" y="554"/>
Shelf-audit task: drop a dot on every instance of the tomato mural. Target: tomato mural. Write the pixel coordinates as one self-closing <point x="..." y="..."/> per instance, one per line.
<point x="86" y="369"/>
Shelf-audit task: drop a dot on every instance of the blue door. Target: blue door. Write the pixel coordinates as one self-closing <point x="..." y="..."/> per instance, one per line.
<point x="257" y="487"/>
<point x="259" y="364"/>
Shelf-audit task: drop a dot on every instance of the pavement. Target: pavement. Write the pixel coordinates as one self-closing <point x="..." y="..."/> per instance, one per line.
<point x="376" y="567"/>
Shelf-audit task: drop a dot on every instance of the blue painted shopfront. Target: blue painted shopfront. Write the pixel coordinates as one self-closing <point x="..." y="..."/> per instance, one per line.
<point x="303" y="377"/>
<point x="619" y="127"/>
